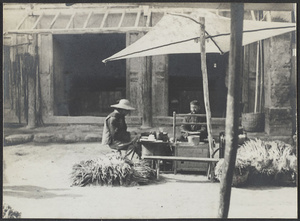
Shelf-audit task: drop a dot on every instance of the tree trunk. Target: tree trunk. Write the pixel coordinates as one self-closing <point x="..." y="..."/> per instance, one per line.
<point x="232" y="112"/>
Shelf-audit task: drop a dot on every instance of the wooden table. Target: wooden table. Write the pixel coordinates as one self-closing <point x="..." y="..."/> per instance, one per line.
<point x="156" y="148"/>
<point x="185" y="149"/>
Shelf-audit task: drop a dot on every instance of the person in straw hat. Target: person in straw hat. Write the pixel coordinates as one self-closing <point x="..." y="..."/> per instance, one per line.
<point x="115" y="133"/>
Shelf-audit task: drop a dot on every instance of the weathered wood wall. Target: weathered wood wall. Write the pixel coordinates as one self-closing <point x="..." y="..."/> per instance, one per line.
<point x="45" y="46"/>
<point x="248" y="78"/>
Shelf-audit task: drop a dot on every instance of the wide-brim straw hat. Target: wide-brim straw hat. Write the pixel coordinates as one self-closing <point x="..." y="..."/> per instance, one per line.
<point x="123" y="104"/>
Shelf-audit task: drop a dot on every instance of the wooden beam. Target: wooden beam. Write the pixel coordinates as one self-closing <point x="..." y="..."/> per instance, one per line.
<point x="205" y="84"/>
<point x="137" y="19"/>
<point x="147" y="93"/>
<point x="87" y="19"/>
<point x="257" y="77"/>
<point x="70" y="22"/>
<point x="104" y="18"/>
<point x="191" y="115"/>
<point x="206" y="94"/>
<point x="121" y="20"/>
<point x="32" y="85"/>
<point x="180" y="158"/>
<point x="245" y="84"/>
<point x="37" y="21"/>
<point x="261" y="64"/>
<point x="83" y="30"/>
<point x="22" y="21"/>
<point x="174" y="127"/>
<point x="224" y="6"/>
<point x="148" y="19"/>
<point x="54" y="19"/>
<point x="232" y="111"/>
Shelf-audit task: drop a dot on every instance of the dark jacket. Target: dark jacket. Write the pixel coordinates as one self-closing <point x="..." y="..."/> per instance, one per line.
<point x="115" y="129"/>
<point x="200" y="128"/>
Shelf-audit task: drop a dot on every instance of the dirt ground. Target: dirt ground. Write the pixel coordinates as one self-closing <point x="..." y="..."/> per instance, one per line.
<point x="36" y="183"/>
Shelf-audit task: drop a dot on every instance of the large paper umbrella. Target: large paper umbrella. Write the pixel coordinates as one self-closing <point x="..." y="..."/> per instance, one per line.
<point x="179" y="33"/>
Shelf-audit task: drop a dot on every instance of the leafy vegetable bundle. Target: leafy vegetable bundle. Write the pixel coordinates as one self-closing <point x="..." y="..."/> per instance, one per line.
<point x="111" y="170"/>
<point x="265" y="158"/>
<point x="9" y="212"/>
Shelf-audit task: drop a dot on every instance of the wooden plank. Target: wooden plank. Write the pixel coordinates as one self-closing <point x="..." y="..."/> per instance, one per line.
<point x="245" y="84"/>
<point x="183" y="123"/>
<point x="148" y="19"/>
<point x="87" y="19"/>
<point x="146" y="93"/>
<point x="104" y="18"/>
<point x="122" y="19"/>
<point x="257" y="80"/>
<point x="54" y="19"/>
<point x="45" y="47"/>
<point x="70" y="22"/>
<point x="160" y="92"/>
<point x="83" y="31"/>
<point x="22" y="21"/>
<point x="178" y="158"/>
<point x="261" y="84"/>
<point x="37" y="21"/>
<point x="32" y="86"/>
<point x="232" y="111"/>
<point x="134" y="71"/>
<point x="225" y="6"/>
<point x="191" y="115"/>
<point x="137" y="18"/>
<point x="174" y="127"/>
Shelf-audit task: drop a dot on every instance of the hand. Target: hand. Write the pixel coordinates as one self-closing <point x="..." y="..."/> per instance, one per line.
<point x="135" y="139"/>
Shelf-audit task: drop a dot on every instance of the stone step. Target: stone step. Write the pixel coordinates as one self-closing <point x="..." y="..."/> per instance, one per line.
<point x="18" y="139"/>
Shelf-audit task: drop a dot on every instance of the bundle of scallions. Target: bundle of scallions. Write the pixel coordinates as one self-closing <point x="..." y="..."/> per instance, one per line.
<point x="111" y="170"/>
<point x="258" y="159"/>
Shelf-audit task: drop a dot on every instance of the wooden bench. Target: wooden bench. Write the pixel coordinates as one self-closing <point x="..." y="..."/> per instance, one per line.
<point x="178" y="158"/>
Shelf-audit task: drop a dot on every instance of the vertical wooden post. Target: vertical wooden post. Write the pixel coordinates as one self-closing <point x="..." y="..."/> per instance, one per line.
<point x="157" y="168"/>
<point x="147" y="95"/>
<point x="147" y="89"/>
<point x="205" y="84"/>
<point x="13" y="86"/>
<point x="232" y="111"/>
<point x="32" y="86"/>
<point x="174" y="127"/>
<point x="206" y="93"/>
<point x="294" y="76"/>
<point x="261" y="85"/>
<point x="257" y="78"/>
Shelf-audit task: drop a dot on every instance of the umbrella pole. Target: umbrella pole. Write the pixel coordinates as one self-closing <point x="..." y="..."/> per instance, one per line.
<point x="206" y="91"/>
<point x="232" y="111"/>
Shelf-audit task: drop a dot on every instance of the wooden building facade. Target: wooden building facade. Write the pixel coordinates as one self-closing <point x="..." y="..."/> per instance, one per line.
<point x="53" y="71"/>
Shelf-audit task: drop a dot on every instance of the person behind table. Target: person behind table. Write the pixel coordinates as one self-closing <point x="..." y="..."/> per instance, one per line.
<point x="115" y="133"/>
<point x="190" y="129"/>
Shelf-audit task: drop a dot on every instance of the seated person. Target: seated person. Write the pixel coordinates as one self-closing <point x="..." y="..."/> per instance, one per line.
<point x="190" y="129"/>
<point x="115" y="133"/>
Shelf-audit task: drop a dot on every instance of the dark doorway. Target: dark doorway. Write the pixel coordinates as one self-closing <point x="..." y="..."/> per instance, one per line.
<point x="83" y="85"/>
<point x="185" y="82"/>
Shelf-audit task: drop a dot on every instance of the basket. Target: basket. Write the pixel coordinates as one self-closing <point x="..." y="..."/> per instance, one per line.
<point x="240" y="179"/>
<point x="253" y="122"/>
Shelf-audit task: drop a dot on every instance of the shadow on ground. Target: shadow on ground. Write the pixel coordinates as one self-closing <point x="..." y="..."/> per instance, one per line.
<point x="34" y="192"/>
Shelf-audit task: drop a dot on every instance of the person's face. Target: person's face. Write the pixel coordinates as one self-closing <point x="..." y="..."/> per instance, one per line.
<point x="194" y="108"/>
<point x="124" y="112"/>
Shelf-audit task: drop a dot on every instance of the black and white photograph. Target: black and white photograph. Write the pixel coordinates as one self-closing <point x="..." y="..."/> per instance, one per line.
<point x="149" y="110"/>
